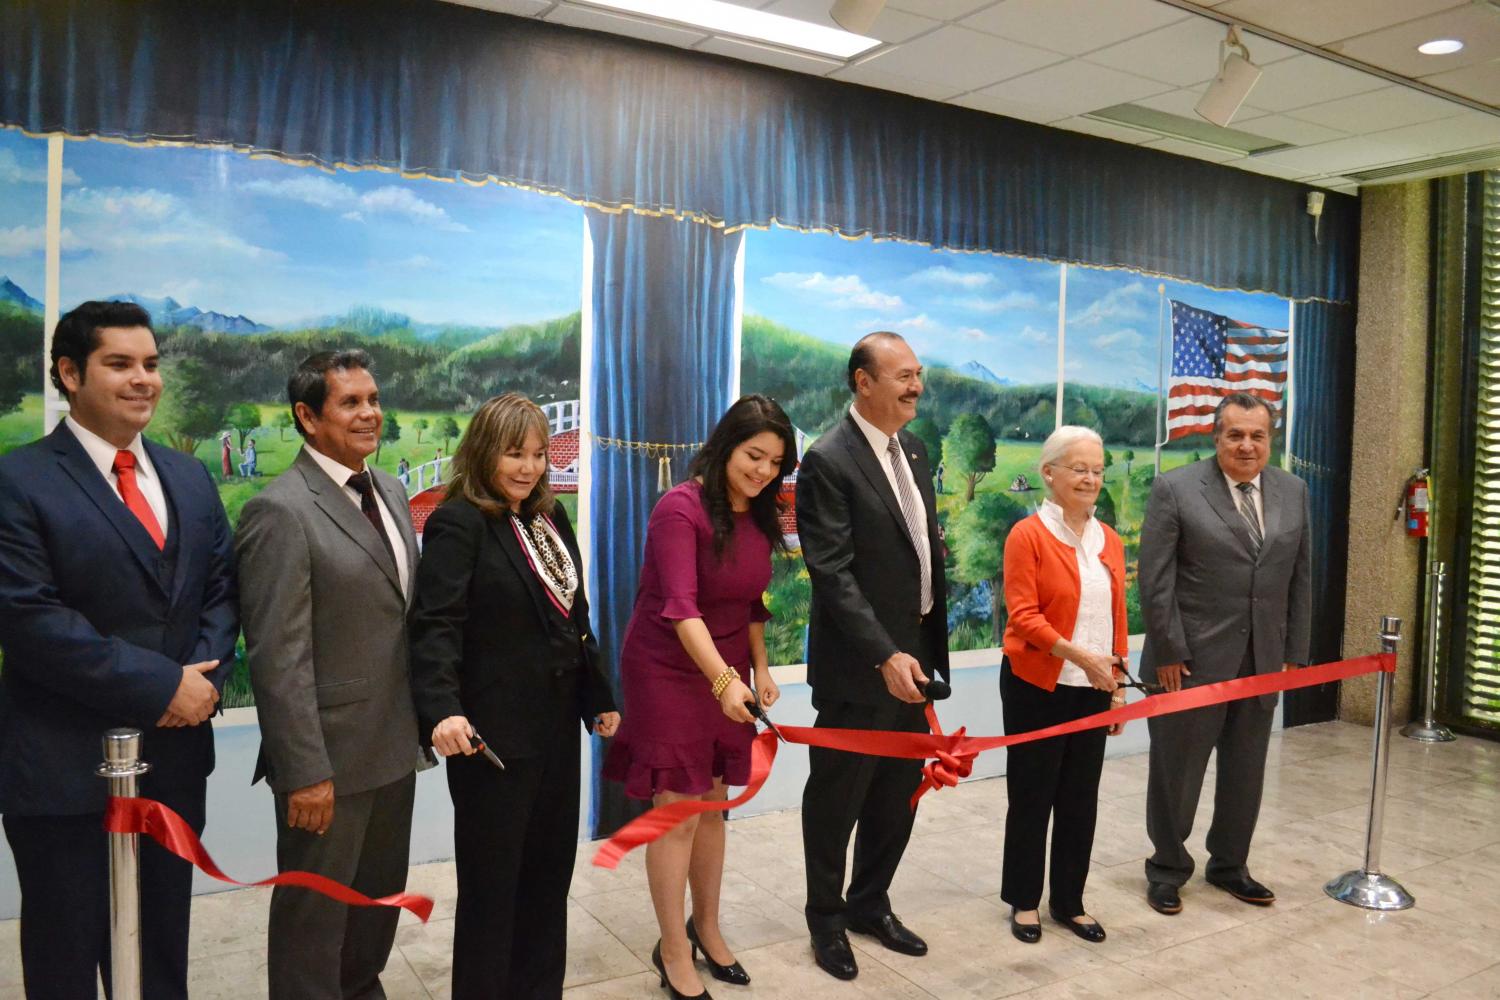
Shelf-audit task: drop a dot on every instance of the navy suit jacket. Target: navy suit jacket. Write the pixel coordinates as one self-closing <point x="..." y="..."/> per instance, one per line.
<point x="94" y="633"/>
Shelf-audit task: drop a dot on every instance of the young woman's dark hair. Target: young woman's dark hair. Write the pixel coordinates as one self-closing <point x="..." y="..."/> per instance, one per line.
<point x="749" y="416"/>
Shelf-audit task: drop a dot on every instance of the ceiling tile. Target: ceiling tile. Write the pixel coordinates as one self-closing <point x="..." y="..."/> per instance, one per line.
<point x="1389" y="107"/>
<point x="1075" y="87"/>
<point x="1256" y="165"/>
<point x="1106" y="130"/>
<point x="1185" y="53"/>
<point x="891" y="26"/>
<point x="1306" y="79"/>
<point x="960" y="59"/>
<point x="1395" y="48"/>
<point x="797" y="62"/>
<point x="1184" y="102"/>
<point x="1353" y="153"/>
<point x="1025" y="111"/>
<point x="945" y="10"/>
<point x="1284" y="129"/>
<point x="868" y="75"/>
<point x="1326" y="20"/>
<point x="1182" y="147"/>
<point x="617" y="24"/>
<point x="1471" y="130"/>
<point x="523" y="8"/>
<point x="1480" y="82"/>
<point x="1073" y="26"/>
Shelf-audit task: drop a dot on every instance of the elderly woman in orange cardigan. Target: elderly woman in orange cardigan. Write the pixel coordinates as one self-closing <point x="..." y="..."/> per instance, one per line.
<point x="1064" y="642"/>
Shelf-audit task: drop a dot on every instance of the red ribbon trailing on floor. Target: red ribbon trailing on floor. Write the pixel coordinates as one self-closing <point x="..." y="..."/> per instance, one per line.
<point x="171" y="831"/>
<point x="952" y="755"/>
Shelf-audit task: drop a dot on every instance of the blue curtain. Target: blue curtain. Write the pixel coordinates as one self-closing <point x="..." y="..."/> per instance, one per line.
<point x="447" y="90"/>
<point x="663" y="349"/>
<point x="1321" y="446"/>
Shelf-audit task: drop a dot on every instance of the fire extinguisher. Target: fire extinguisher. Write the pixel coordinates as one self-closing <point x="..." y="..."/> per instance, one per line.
<point x="1415" y="497"/>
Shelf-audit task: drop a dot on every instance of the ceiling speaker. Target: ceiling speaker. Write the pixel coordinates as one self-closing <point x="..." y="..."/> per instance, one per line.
<point x="857" y="16"/>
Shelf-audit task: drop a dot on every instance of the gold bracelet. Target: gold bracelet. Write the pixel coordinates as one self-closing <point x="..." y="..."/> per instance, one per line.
<point x="725" y="678"/>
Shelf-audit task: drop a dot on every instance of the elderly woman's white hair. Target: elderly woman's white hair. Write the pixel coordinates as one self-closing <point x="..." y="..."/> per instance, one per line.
<point x="1062" y="440"/>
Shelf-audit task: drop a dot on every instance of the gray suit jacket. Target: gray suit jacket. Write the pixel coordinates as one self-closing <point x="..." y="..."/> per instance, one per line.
<point x="325" y="634"/>
<point x="1204" y="596"/>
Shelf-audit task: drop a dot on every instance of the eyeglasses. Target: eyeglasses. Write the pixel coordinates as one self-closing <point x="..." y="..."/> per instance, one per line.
<point x="1080" y="471"/>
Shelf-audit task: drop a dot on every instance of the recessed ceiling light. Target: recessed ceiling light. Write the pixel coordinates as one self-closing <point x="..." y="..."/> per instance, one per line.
<point x="1440" y="47"/>
<point x="743" y="22"/>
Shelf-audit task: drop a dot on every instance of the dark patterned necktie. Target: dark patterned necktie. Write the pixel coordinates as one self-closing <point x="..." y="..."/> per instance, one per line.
<point x="908" y="500"/>
<point x="1246" y="503"/>
<point x="363" y="484"/>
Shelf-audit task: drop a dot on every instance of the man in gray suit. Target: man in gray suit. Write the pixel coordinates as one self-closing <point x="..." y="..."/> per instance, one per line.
<point x="327" y="557"/>
<point x="1224" y="577"/>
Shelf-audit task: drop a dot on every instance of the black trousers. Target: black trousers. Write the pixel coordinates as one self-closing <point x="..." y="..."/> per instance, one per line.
<point x="62" y="864"/>
<point x="844" y="790"/>
<point x="1055" y="779"/>
<point x="321" y="949"/>
<point x="515" y="836"/>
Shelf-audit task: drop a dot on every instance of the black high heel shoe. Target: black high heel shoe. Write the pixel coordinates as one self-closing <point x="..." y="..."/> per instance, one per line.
<point x="666" y="983"/>
<point x="734" y="974"/>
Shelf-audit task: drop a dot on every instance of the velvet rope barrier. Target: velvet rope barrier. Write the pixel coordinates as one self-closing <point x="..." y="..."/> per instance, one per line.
<point x="172" y="832"/>
<point x="952" y="755"/>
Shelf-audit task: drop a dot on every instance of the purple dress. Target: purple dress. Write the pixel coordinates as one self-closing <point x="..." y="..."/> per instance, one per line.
<point x="673" y="736"/>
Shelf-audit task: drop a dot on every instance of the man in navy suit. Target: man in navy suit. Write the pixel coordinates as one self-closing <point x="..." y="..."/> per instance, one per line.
<point x="117" y="608"/>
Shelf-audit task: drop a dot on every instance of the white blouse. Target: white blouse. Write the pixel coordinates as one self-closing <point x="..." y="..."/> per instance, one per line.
<point x="1095" y="628"/>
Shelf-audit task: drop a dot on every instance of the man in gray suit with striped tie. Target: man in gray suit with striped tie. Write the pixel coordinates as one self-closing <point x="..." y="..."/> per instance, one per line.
<point x="1224" y="577"/>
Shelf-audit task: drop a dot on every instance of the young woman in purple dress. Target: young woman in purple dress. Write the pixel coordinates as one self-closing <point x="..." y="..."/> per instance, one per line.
<point x="693" y="649"/>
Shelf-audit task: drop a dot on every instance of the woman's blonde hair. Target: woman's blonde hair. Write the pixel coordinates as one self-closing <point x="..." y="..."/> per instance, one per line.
<point x="1061" y="441"/>
<point x="499" y="425"/>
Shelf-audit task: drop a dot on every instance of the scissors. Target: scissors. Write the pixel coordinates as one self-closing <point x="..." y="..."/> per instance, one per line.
<point x="1135" y="682"/>
<point x="754" y="709"/>
<point x="484" y="748"/>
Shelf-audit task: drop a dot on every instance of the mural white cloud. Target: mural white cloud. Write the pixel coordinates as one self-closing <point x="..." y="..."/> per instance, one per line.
<point x="947" y="277"/>
<point x="1003" y="303"/>
<point x="844" y="291"/>
<point x="13" y="171"/>
<point x="1123" y="304"/>
<point x="392" y="200"/>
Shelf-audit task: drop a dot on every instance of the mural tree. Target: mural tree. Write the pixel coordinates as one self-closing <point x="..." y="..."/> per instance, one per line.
<point x="283" y="423"/>
<point x="978" y="537"/>
<point x="244" y="418"/>
<point x="420" y="425"/>
<point x="390" y="431"/>
<point x="193" y="403"/>
<point x="447" y="429"/>
<point x="969" y="451"/>
<point x="926" y="430"/>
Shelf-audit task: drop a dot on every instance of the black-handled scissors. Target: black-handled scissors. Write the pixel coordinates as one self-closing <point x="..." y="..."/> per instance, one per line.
<point x="484" y="748"/>
<point x="1148" y="687"/>
<point x="764" y="716"/>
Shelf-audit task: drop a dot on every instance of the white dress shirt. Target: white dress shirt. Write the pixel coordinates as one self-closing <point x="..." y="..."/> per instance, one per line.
<point x="340" y="474"/>
<point x="1255" y="497"/>
<point x="879" y="442"/>
<point x="1095" y="628"/>
<point x="103" y="455"/>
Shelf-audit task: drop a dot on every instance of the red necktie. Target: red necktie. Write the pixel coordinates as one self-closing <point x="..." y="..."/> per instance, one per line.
<point x="134" y="499"/>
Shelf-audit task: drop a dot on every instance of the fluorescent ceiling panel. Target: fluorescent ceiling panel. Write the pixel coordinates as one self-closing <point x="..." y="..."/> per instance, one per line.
<point x="743" y="22"/>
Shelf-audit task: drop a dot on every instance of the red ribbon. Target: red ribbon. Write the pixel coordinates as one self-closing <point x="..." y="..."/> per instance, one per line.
<point x="953" y="754"/>
<point x="125" y="815"/>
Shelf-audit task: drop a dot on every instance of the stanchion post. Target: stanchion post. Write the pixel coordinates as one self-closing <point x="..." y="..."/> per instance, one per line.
<point x="122" y="765"/>
<point x="1366" y="887"/>
<point x="1427" y="729"/>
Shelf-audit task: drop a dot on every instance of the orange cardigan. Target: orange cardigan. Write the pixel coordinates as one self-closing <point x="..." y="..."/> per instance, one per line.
<point x="1042" y="594"/>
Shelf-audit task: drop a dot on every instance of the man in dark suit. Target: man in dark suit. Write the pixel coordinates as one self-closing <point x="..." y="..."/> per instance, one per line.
<point x="1224" y="577"/>
<point x="869" y="530"/>
<point x="327" y="558"/>
<point x="117" y="608"/>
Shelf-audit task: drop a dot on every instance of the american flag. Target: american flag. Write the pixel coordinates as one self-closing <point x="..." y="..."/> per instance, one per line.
<point x="1212" y="356"/>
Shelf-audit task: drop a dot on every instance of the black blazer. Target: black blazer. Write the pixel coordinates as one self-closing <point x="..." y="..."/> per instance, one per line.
<point x="486" y="642"/>
<point x="97" y="624"/>
<point x="866" y="583"/>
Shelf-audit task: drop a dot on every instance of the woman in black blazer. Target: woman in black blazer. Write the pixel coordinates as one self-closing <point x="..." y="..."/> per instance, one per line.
<point x="501" y="650"/>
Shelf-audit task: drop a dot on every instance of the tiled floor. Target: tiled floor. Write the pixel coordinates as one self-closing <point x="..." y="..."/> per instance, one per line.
<point x="1442" y="833"/>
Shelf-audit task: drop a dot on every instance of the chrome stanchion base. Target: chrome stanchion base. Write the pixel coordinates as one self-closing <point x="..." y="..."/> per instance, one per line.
<point x="1370" y="891"/>
<point x="1427" y="732"/>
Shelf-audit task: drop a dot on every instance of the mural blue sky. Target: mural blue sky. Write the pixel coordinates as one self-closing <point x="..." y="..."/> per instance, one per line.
<point x="955" y="308"/>
<point x="282" y="244"/>
<point x="23" y="179"/>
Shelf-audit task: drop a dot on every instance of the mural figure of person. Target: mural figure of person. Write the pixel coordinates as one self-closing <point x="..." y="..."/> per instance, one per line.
<point x="327" y="557"/>
<point x="117" y="607"/>
<point x="1225" y="574"/>
<point x="867" y="519"/>
<point x="694" y="648"/>
<point x="226" y="450"/>
<point x="403" y="472"/>
<point x="939" y="476"/>
<point x="1065" y="591"/>
<point x="247" y="466"/>
<point x="437" y="467"/>
<point x="501" y="642"/>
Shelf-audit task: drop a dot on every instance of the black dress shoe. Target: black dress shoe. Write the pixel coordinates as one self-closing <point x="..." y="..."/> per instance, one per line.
<point x="834" y="956"/>
<point x="666" y="983"/>
<point x="1244" y="888"/>
<point x="733" y="973"/>
<point x="1025" y="933"/>
<point x="891" y="932"/>
<point x="1163" y="898"/>
<point x="1093" y="931"/>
